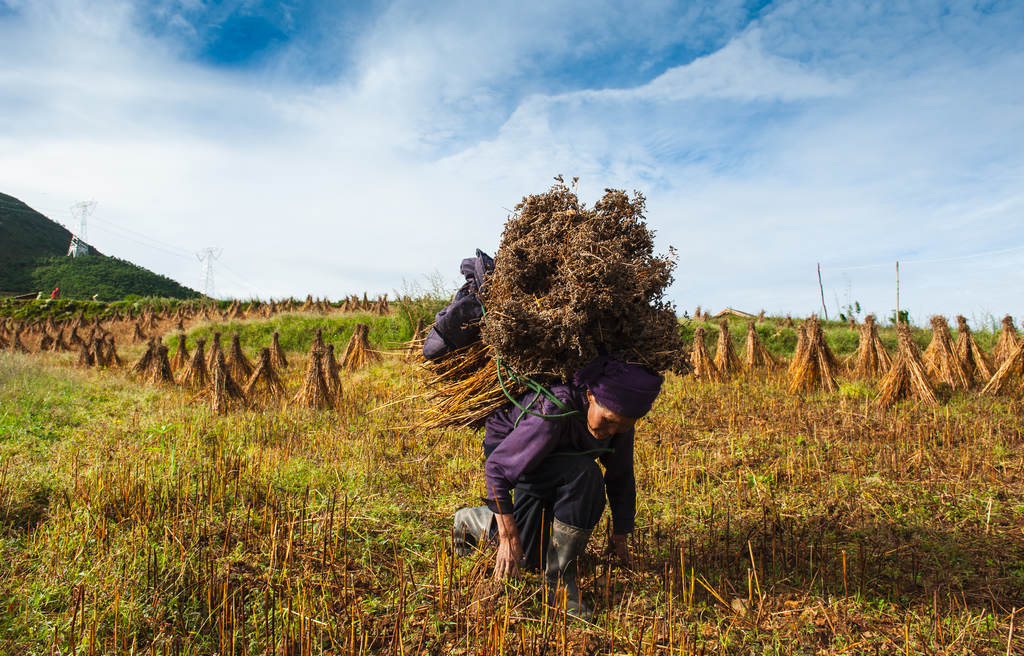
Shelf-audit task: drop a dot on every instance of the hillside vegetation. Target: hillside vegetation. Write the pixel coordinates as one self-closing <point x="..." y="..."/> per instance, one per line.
<point x="33" y="258"/>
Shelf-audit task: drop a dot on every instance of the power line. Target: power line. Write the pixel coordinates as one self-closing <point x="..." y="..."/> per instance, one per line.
<point x="207" y="256"/>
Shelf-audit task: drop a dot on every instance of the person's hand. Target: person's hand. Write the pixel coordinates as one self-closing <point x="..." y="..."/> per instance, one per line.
<point x="619" y="547"/>
<point x="510" y="549"/>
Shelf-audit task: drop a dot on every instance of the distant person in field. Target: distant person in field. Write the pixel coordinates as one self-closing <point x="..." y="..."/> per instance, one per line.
<point x="55" y="294"/>
<point x="545" y="490"/>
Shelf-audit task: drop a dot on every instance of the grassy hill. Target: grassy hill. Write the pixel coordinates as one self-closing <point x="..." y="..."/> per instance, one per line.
<point x="33" y="258"/>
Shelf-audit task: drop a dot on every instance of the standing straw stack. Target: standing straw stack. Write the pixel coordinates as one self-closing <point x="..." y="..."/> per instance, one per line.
<point x="159" y="369"/>
<point x="814" y="365"/>
<point x="331" y="373"/>
<point x="142" y="365"/>
<point x="757" y="356"/>
<point x="907" y="376"/>
<point x="973" y="360"/>
<point x="238" y="364"/>
<point x="1008" y="372"/>
<point x="195" y="375"/>
<point x="181" y="358"/>
<point x="266" y="378"/>
<point x="941" y="359"/>
<point x="223" y="389"/>
<point x="277" y="355"/>
<point x="700" y="359"/>
<point x="359" y="353"/>
<point x="872" y="359"/>
<point x="314" y="394"/>
<point x="1007" y="344"/>
<point x="215" y="348"/>
<point x="726" y="359"/>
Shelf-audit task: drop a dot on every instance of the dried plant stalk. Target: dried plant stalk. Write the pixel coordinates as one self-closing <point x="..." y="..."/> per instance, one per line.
<point x="277" y="355"/>
<point x="973" y="359"/>
<point x="1009" y="371"/>
<point x="264" y="375"/>
<point x="814" y="366"/>
<point x="314" y="394"/>
<point x="726" y="359"/>
<point x="331" y="369"/>
<point x="142" y="366"/>
<point x="359" y="352"/>
<point x="181" y="355"/>
<point x="1007" y="343"/>
<point x="700" y="359"/>
<point x="223" y="389"/>
<point x="872" y="360"/>
<point x="907" y="376"/>
<point x="159" y="369"/>
<point x="940" y="357"/>
<point x="757" y="354"/>
<point x="464" y="389"/>
<point x="238" y="364"/>
<point x="195" y="375"/>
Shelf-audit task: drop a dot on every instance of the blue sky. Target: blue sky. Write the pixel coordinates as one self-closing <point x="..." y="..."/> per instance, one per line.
<point x="332" y="148"/>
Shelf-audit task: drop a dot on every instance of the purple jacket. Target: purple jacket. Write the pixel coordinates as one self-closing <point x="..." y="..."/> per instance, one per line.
<point x="513" y="450"/>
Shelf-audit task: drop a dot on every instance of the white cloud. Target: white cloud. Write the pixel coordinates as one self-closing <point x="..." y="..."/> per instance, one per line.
<point x="783" y="148"/>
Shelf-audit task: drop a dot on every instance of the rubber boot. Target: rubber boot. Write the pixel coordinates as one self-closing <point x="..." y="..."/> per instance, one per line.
<point x="472" y="526"/>
<point x="567" y="544"/>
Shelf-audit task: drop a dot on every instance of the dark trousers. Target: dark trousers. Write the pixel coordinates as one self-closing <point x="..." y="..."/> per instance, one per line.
<point x="567" y="487"/>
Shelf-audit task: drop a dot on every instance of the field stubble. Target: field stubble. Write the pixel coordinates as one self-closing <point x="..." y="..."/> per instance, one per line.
<point x="133" y="518"/>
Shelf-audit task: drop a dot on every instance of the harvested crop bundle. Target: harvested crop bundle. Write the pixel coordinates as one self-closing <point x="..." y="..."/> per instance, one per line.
<point x="16" y="343"/>
<point x="314" y="394"/>
<point x="359" y="352"/>
<point x="726" y="359"/>
<point x="974" y="361"/>
<point x="940" y="357"/>
<point x="215" y="348"/>
<point x="277" y="355"/>
<point x="907" y="376"/>
<point x="331" y="371"/>
<point x="195" y="375"/>
<point x="159" y="370"/>
<point x="223" y="388"/>
<point x="138" y="336"/>
<point x="85" y="356"/>
<point x="463" y="389"/>
<point x="113" y="359"/>
<point x="238" y="364"/>
<point x="1007" y="344"/>
<point x="703" y="366"/>
<point x="269" y="383"/>
<point x="1007" y="373"/>
<point x="814" y="365"/>
<point x="99" y="352"/>
<point x="571" y="283"/>
<point x="46" y="341"/>
<point x="872" y="360"/>
<point x="181" y="355"/>
<point x="757" y="355"/>
<point x="142" y="366"/>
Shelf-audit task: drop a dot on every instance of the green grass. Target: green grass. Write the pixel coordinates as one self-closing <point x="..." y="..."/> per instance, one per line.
<point x="134" y="510"/>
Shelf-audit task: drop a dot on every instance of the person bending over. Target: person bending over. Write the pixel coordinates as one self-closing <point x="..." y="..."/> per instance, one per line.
<point x="545" y="490"/>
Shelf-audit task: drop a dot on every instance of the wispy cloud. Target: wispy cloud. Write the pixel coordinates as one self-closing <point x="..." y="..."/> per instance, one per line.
<point x="766" y="140"/>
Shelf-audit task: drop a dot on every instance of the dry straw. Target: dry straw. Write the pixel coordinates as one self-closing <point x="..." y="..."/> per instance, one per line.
<point x="700" y="359"/>
<point x="264" y="382"/>
<point x="463" y="389"/>
<point x="159" y="369"/>
<point x="215" y="348"/>
<point x="757" y="356"/>
<point x="814" y="366"/>
<point x="195" y="375"/>
<point x="142" y="365"/>
<point x="331" y="371"/>
<point x="1007" y="344"/>
<point x="359" y="352"/>
<point x="872" y="360"/>
<point x="972" y="358"/>
<point x="277" y="355"/>
<point x="181" y="355"/>
<point x="725" y="354"/>
<point x="223" y="388"/>
<point x="940" y="357"/>
<point x="314" y="393"/>
<point x="238" y="364"/>
<point x="908" y="376"/>
<point x="1009" y="371"/>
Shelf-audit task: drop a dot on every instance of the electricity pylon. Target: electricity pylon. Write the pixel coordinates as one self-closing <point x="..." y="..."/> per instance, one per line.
<point x="81" y="211"/>
<point x="207" y="256"/>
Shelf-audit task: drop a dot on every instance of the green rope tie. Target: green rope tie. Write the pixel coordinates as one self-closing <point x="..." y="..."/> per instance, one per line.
<point x="533" y="386"/>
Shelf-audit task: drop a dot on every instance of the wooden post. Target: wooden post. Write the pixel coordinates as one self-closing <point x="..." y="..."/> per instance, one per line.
<point x="822" y="290"/>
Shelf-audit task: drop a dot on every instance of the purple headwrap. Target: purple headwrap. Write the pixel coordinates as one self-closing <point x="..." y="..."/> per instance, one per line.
<point x="625" y="389"/>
